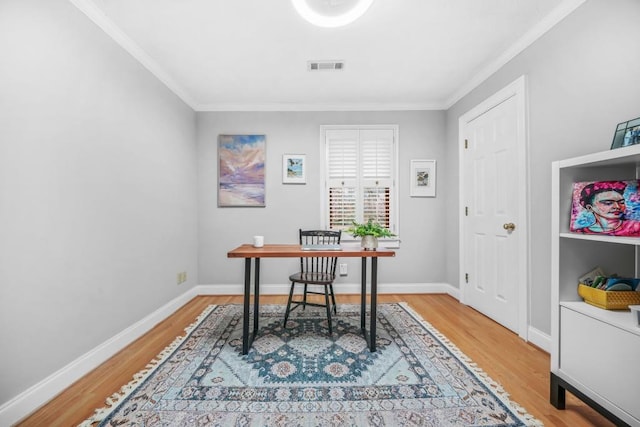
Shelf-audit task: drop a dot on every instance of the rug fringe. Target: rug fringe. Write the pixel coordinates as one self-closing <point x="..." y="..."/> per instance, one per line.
<point x="140" y="376"/>
<point x="500" y="392"/>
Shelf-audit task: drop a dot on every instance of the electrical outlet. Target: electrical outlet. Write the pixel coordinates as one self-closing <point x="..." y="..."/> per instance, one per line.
<point x="181" y="277"/>
<point x="343" y="269"/>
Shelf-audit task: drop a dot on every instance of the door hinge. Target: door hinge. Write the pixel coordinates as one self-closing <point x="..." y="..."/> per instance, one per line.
<point x="466" y="211"/>
<point x="466" y="277"/>
<point x="466" y="144"/>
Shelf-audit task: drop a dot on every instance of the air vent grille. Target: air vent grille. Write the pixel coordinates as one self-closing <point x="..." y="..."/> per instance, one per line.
<point x="325" y="65"/>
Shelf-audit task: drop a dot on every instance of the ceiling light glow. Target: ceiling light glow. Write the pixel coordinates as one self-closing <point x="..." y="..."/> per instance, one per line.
<point x="331" y="13"/>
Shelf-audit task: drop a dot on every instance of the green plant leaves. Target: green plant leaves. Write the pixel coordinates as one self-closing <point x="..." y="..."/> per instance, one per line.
<point x="369" y="228"/>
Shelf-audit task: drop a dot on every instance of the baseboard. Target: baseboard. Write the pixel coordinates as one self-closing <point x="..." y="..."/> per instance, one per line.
<point x="343" y="288"/>
<point x="539" y="339"/>
<point x="34" y="397"/>
<point x="31" y="399"/>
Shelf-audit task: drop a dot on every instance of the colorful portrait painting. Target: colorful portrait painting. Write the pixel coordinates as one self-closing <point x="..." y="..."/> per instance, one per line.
<point x="241" y="177"/>
<point x="606" y="207"/>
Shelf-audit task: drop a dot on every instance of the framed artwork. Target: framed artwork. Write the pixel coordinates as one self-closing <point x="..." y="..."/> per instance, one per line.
<point x="423" y="178"/>
<point x="294" y="169"/>
<point x="241" y="163"/>
<point x="606" y="207"/>
<point x="626" y="134"/>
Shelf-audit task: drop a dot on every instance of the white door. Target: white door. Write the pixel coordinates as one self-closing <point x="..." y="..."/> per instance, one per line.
<point x="493" y="240"/>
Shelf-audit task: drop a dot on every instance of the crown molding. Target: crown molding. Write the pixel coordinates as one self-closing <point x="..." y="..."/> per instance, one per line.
<point x="558" y="14"/>
<point x="96" y="15"/>
<point x="380" y="106"/>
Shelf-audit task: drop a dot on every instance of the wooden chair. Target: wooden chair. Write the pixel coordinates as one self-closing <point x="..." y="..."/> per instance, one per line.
<point x="318" y="271"/>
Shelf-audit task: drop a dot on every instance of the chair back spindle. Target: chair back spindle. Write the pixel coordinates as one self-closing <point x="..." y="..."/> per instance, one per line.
<point x="319" y="264"/>
<point x="315" y="271"/>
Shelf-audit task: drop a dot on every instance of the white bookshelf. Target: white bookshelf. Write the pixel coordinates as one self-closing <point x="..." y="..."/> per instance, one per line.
<point x="595" y="353"/>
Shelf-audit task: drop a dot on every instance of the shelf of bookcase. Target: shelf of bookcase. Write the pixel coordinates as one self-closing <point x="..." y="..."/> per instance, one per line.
<point x="607" y="239"/>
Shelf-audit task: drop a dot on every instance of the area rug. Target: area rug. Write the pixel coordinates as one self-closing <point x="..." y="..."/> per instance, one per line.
<point x="301" y="376"/>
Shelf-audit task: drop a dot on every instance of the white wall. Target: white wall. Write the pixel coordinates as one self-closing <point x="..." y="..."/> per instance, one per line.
<point x="97" y="190"/>
<point x="583" y="80"/>
<point x="289" y="207"/>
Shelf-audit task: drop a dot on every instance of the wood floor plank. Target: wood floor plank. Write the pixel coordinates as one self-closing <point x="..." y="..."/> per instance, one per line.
<point x="521" y="368"/>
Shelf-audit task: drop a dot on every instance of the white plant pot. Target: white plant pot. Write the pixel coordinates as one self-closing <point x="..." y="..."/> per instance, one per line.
<point x="369" y="243"/>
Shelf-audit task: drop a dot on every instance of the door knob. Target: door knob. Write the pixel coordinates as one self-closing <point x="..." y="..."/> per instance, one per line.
<point x="509" y="226"/>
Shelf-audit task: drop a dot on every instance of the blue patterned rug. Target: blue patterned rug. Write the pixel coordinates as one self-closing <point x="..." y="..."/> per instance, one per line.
<point x="300" y="376"/>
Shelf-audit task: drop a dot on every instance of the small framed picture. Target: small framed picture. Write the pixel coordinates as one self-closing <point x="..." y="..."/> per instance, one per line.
<point x="423" y="178"/>
<point x="294" y="169"/>
<point x="626" y="134"/>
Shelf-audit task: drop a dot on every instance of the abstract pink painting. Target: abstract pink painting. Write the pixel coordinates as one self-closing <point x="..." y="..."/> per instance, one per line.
<point x="241" y="179"/>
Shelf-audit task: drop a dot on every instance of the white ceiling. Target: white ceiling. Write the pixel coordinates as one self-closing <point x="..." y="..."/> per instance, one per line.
<point x="242" y="55"/>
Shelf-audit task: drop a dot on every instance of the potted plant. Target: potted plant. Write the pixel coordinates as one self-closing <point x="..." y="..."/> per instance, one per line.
<point x="369" y="232"/>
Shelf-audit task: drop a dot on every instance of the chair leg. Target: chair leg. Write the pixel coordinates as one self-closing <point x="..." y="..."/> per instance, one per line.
<point x="304" y="298"/>
<point x="328" y="304"/>
<point x="333" y="297"/>
<point x="286" y="314"/>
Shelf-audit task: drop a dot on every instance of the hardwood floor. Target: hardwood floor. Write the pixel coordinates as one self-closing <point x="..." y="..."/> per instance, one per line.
<point x="522" y="369"/>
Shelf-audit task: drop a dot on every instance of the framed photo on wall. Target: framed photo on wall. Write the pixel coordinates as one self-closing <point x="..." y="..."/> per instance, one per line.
<point x="423" y="178"/>
<point x="294" y="169"/>
<point x="241" y="178"/>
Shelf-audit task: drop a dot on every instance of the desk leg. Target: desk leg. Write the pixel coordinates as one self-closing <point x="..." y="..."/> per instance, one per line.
<point x="247" y="297"/>
<point x="256" y="296"/>
<point x="374" y="303"/>
<point x="370" y="336"/>
<point x="363" y="296"/>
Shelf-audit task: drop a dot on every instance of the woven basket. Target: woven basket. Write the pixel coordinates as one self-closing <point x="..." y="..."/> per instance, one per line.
<point x="609" y="300"/>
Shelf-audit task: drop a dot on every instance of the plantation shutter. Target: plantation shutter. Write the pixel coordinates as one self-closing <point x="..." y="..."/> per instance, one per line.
<point x="342" y="177"/>
<point x="377" y="180"/>
<point x="359" y="176"/>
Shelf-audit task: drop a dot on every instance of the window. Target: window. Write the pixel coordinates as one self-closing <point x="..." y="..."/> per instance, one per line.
<point x="359" y="176"/>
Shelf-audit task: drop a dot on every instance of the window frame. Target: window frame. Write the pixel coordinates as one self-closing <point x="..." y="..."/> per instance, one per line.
<point x="394" y="205"/>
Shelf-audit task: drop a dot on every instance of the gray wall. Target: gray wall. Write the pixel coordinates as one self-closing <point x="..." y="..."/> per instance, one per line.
<point x="108" y="181"/>
<point x="583" y="79"/>
<point x="97" y="190"/>
<point x="289" y="207"/>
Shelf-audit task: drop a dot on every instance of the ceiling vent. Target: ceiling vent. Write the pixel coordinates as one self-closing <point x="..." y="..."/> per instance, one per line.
<point x="325" y="65"/>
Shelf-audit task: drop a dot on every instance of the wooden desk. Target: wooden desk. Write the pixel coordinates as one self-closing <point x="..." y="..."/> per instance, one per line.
<point x="248" y="252"/>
